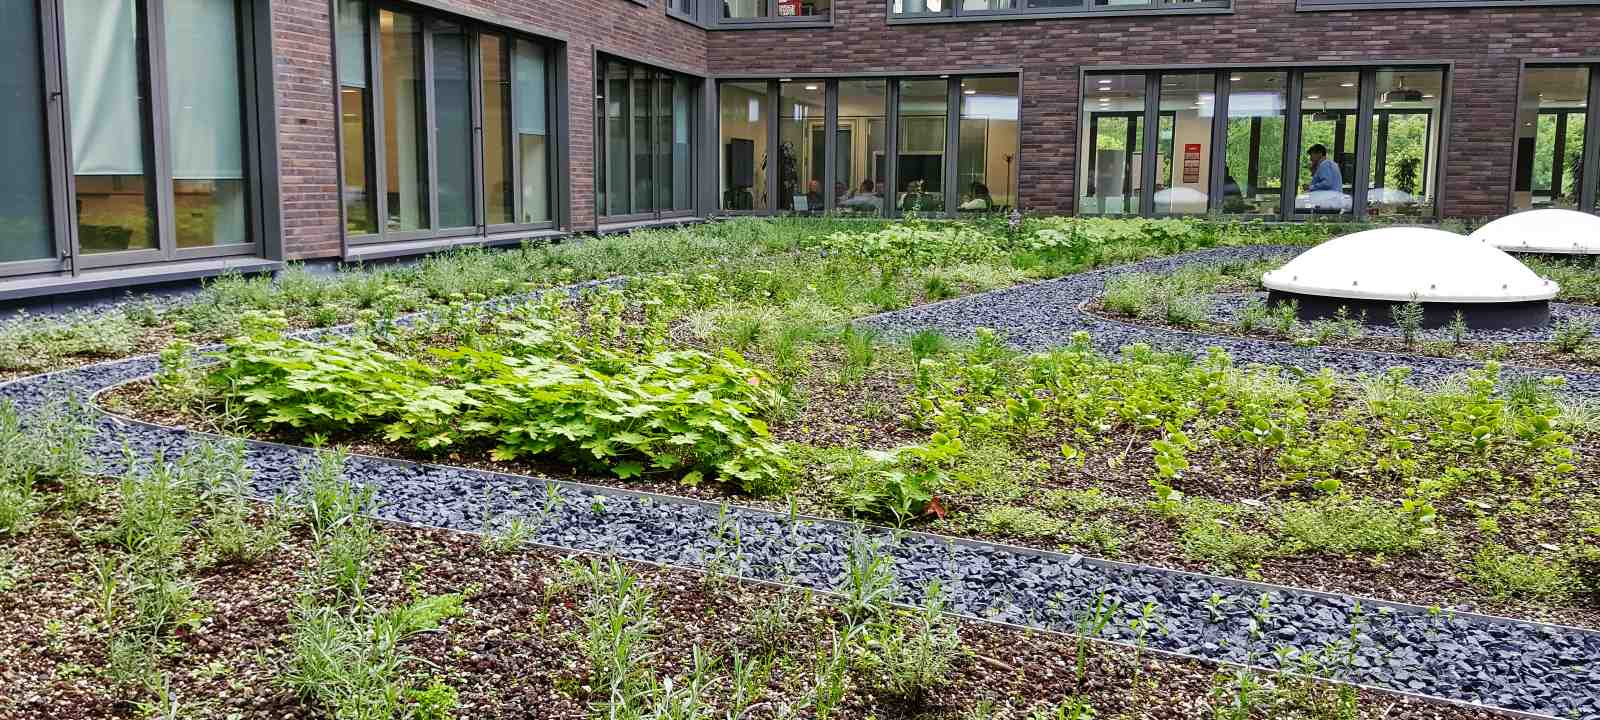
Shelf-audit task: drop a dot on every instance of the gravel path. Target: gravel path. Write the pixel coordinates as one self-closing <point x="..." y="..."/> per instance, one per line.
<point x="1461" y="657"/>
<point x="1226" y="307"/>
<point x="1042" y="315"/>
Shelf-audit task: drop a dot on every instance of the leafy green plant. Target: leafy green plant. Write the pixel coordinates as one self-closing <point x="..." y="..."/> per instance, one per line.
<point x="1507" y="574"/>
<point x="869" y="582"/>
<point x="914" y="653"/>
<point x="1357" y="526"/>
<point x="1571" y="335"/>
<point x="1407" y="318"/>
<point x="353" y="665"/>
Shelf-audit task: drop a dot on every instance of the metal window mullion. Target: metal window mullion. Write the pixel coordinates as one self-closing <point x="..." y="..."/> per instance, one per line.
<point x="430" y="128"/>
<point x="952" y="144"/>
<point x="160" y="127"/>
<point x="57" y="132"/>
<point x="377" y="167"/>
<point x="1558" y="165"/>
<point x="1362" y="180"/>
<point x="830" y="144"/>
<point x="1219" y="139"/>
<point x="774" y="152"/>
<point x="1290" y="167"/>
<point x="513" y="156"/>
<point x="1380" y="155"/>
<point x="1152" y="143"/>
<point x="1591" y="146"/>
<point x="250" y="126"/>
<point x="891" y="144"/>
<point x="480" y="200"/>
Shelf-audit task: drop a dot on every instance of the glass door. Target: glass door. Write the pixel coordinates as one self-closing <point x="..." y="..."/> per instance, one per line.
<point x="28" y="212"/>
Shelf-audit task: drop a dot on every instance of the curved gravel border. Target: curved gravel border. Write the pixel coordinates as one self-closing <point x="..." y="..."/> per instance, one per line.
<point x="1226" y="308"/>
<point x="1041" y="315"/>
<point x="1521" y="667"/>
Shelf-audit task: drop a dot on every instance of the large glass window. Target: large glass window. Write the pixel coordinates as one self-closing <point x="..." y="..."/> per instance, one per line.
<point x="1253" y="115"/>
<point x="405" y="151"/>
<point x="25" y="229"/>
<point x="986" y="159"/>
<point x="861" y="168"/>
<point x="350" y="32"/>
<point x="499" y="198"/>
<point x="801" y="146"/>
<point x="108" y="82"/>
<point x="1552" y="137"/>
<point x="1111" y="167"/>
<point x="742" y="121"/>
<point x="458" y="138"/>
<point x="208" y="178"/>
<point x="1183" y="175"/>
<point x="1253" y="170"/>
<point x="645" y="119"/>
<point x="452" y="125"/>
<point x="1405" y="141"/>
<point x="759" y="10"/>
<point x="1328" y="104"/>
<point x="919" y="169"/>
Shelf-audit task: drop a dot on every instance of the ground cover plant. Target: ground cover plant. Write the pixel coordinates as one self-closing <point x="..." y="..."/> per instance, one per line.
<point x="727" y="365"/>
<point x="131" y="600"/>
<point x="747" y="385"/>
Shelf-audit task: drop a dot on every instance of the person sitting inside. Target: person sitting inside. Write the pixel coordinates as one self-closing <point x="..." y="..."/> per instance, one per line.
<point x="979" y="199"/>
<point x="1325" y="173"/>
<point x="814" y="195"/>
<point x="865" y="198"/>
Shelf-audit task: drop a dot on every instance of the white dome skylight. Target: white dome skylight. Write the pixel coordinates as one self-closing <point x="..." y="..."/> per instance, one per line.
<point x="1544" y="231"/>
<point x="1402" y="263"/>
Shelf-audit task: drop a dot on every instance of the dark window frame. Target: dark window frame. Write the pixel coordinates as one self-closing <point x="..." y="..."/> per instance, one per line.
<point x="479" y="231"/>
<point x="257" y="107"/>
<point x="653" y="75"/>
<point x="1365" y="111"/>
<point x="891" y="116"/>
<point x="1331" y="5"/>
<point x="1589" y="184"/>
<point x="1084" y="8"/>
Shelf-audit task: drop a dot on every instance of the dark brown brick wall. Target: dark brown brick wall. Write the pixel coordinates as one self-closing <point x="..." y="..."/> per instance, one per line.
<point x="1486" y="45"/>
<point x="302" y="46"/>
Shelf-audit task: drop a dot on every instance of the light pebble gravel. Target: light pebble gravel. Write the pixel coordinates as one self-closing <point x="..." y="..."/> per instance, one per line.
<point x="1459" y="656"/>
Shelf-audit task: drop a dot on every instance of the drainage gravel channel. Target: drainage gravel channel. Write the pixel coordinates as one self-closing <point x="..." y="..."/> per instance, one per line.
<point x="1042" y="315"/>
<point x="1524" y="668"/>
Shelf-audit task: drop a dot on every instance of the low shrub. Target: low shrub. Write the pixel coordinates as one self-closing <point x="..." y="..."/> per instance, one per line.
<point x="1366" y="526"/>
<point x="1020" y="522"/>
<point x="1498" y="570"/>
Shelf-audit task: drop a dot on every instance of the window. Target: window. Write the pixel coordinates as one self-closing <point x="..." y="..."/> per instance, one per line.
<point x="986" y="168"/>
<point x="1291" y="142"/>
<point x="644" y="123"/>
<point x="748" y="11"/>
<point x="1111" y="164"/>
<point x="443" y="126"/>
<point x="1403" y="4"/>
<point x="149" y="155"/>
<point x="859" y="170"/>
<point x="979" y="9"/>
<point x="742" y="120"/>
<point x="1253" y="168"/>
<point x="870" y="146"/>
<point x="1555" y="147"/>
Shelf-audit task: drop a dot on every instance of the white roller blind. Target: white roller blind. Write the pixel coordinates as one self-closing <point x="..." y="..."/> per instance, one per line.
<point x="103" y="87"/>
<point x="528" y="71"/>
<point x="203" y="90"/>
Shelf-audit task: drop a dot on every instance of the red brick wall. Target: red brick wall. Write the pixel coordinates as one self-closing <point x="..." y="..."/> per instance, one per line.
<point x="1486" y="45"/>
<point x="303" y="51"/>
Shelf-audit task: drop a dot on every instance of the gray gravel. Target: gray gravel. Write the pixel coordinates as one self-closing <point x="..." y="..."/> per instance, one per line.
<point x="1457" y="656"/>
<point x="1225" y="309"/>
<point x="1042" y="315"/>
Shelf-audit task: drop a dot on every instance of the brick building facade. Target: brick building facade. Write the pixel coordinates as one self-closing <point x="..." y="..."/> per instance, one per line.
<point x="634" y="128"/>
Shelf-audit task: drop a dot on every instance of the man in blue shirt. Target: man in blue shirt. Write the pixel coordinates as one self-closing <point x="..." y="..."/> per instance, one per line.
<point x="1325" y="174"/>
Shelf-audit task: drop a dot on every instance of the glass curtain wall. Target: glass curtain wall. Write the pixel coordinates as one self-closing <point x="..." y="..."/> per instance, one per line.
<point x="861" y="167"/>
<point x="113" y="154"/>
<point x="919" y="159"/>
<point x="646" y="120"/>
<point x="444" y="126"/>
<point x="1327" y="156"/>
<point x="1183" y="170"/>
<point x="1253" y="169"/>
<point x="126" y="132"/>
<point x="26" y="231"/>
<point x="986" y="158"/>
<point x="1405" y="141"/>
<point x="801" y="146"/>
<point x="743" y="114"/>
<point x="1552" y="137"/>
<point x="1111" y="165"/>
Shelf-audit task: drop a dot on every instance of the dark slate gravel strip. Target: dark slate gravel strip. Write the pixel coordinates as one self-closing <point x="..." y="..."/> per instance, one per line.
<point x="1511" y="665"/>
<point x="1042" y="315"/>
<point x="1226" y="307"/>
